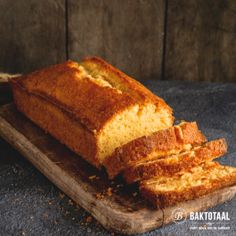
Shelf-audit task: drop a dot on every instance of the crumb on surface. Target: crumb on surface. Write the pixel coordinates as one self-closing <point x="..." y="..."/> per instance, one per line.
<point x="89" y="219"/>
<point x="92" y="177"/>
<point x="99" y="196"/>
<point x="70" y="202"/>
<point x="109" y="191"/>
<point x="61" y="195"/>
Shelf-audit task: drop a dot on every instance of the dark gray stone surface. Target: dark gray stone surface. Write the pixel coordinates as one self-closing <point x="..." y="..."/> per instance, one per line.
<point x="31" y="205"/>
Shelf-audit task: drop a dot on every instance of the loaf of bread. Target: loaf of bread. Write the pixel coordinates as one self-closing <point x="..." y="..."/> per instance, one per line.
<point x="172" y="164"/>
<point x="91" y="107"/>
<point x="165" y="142"/>
<point x="200" y="180"/>
<point x="112" y="120"/>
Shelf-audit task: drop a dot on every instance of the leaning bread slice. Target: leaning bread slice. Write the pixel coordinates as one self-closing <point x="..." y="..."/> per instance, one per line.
<point x="200" y="180"/>
<point x="160" y="143"/>
<point x="169" y="165"/>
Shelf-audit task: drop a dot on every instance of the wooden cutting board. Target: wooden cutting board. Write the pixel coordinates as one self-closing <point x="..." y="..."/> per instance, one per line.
<point x="115" y="205"/>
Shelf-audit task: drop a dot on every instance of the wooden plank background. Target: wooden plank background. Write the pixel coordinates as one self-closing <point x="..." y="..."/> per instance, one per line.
<point x="32" y="34"/>
<point x="157" y="39"/>
<point x="201" y="40"/>
<point x="127" y="33"/>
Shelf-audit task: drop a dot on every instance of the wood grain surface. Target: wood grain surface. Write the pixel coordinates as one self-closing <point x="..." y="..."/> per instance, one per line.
<point x="200" y="40"/>
<point x="167" y="39"/>
<point x="32" y="34"/>
<point x="113" y="204"/>
<point x="126" y="33"/>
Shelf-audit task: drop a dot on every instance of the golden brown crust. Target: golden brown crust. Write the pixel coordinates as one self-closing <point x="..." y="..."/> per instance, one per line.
<point x="93" y="105"/>
<point x="58" y="123"/>
<point x="163" y="141"/>
<point x="169" y="198"/>
<point x="167" y="166"/>
<point x="127" y="84"/>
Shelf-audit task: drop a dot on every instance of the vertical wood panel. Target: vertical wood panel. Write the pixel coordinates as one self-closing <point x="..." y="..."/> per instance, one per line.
<point x="32" y="34"/>
<point x="127" y="33"/>
<point x="201" y="41"/>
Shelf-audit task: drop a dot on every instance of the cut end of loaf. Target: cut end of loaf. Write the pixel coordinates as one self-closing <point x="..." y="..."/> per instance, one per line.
<point x="147" y="115"/>
<point x="165" y="142"/>
<point x="131" y="124"/>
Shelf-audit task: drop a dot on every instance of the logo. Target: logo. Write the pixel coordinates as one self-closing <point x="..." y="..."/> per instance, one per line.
<point x="179" y="215"/>
<point x="207" y="220"/>
<point x="211" y="216"/>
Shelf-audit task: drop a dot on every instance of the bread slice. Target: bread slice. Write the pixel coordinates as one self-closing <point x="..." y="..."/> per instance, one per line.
<point x="200" y="180"/>
<point x="161" y="143"/>
<point x="90" y="106"/>
<point x="169" y="165"/>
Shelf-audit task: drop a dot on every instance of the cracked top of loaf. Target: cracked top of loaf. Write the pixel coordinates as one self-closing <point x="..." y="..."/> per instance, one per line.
<point x="92" y="91"/>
